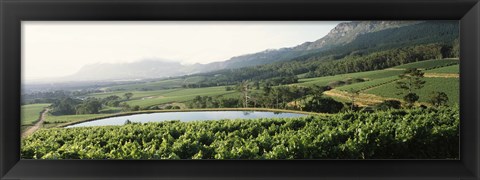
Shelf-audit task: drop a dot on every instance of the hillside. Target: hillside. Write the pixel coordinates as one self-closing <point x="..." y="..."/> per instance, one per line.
<point x="440" y="75"/>
<point x="347" y="32"/>
<point x="377" y="49"/>
<point x="349" y="38"/>
<point x="342" y="34"/>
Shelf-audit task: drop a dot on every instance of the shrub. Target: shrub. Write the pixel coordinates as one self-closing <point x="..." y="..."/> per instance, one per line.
<point x="389" y="104"/>
<point x="438" y="98"/>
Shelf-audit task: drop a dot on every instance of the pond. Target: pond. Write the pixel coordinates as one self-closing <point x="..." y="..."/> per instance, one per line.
<point x="186" y="116"/>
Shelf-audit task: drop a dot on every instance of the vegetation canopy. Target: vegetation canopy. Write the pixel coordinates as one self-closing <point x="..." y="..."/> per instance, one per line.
<point x="394" y="134"/>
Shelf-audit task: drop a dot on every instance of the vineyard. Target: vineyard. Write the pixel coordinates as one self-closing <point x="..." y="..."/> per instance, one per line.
<point x="431" y="133"/>
<point x="430" y="64"/>
<point x="448" y="85"/>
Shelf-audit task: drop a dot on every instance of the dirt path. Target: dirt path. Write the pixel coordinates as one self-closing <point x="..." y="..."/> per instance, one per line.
<point x="441" y="75"/>
<point x="364" y="99"/>
<point x="37" y="125"/>
<point x="361" y="100"/>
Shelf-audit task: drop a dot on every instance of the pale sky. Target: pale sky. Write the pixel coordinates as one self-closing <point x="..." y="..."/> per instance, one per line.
<point x="56" y="48"/>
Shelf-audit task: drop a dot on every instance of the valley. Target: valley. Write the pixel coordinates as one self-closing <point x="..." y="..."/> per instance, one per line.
<point x="366" y="88"/>
<point x="378" y="85"/>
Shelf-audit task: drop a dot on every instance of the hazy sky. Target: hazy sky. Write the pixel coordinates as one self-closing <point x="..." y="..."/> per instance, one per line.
<point x="55" y="49"/>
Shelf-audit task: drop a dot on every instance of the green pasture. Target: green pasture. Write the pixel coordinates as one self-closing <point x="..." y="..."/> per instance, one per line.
<point x="179" y="95"/>
<point x="453" y="69"/>
<point x="52" y="121"/>
<point x="451" y="86"/>
<point x="31" y="113"/>
<point x="136" y="94"/>
<point x="368" y="84"/>
<point x="159" y="85"/>
<point x="435" y="63"/>
<point x="369" y="75"/>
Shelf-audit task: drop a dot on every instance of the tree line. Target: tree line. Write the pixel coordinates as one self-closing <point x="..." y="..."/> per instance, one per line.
<point x="282" y="73"/>
<point x="68" y="106"/>
<point x="382" y="60"/>
<point x="274" y="97"/>
<point x="265" y="95"/>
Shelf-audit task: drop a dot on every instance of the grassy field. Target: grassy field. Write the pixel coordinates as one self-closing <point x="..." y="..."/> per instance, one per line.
<point x="179" y="95"/>
<point x="429" y="64"/>
<point x="109" y="110"/>
<point x="150" y="98"/>
<point x="143" y="99"/>
<point x="136" y="94"/>
<point x="448" y="85"/>
<point x="374" y="79"/>
<point x="368" y="84"/>
<point x="31" y="113"/>
<point x="369" y="75"/>
<point x="52" y="121"/>
<point x="159" y="85"/>
<point x="382" y="82"/>
<point x="454" y="69"/>
<point x="379" y="82"/>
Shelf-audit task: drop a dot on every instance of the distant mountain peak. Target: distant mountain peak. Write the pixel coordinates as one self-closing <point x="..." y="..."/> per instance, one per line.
<point x="346" y="32"/>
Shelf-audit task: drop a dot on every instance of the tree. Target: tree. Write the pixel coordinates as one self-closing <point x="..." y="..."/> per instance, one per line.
<point x="128" y="95"/>
<point x="229" y="102"/>
<point x="256" y="84"/>
<point x="325" y="105"/>
<point x="267" y="88"/>
<point x="353" y="94"/>
<point x="456" y="48"/>
<point x="410" y="80"/>
<point x="389" y="104"/>
<point x="410" y="99"/>
<point x="89" y="106"/>
<point x="255" y="98"/>
<point x="111" y="101"/>
<point x="317" y="91"/>
<point x="64" y="106"/>
<point x="136" y="108"/>
<point x="125" y="107"/>
<point x="243" y="87"/>
<point x="197" y="102"/>
<point x="438" y="98"/>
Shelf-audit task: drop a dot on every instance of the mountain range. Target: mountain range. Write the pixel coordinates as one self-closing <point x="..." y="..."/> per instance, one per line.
<point x="345" y="38"/>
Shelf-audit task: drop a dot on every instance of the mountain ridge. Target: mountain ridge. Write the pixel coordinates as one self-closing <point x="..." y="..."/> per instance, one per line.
<point x="343" y="34"/>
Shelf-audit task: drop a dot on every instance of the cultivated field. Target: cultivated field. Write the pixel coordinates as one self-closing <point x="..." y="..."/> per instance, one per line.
<point x="31" y="113"/>
<point x="369" y="75"/>
<point x="159" y="85"/>
<point x="447" y="69"/>
<point x="378" y="85"/>
<point x="448" y="85"/>
<point x="429" y="64"/>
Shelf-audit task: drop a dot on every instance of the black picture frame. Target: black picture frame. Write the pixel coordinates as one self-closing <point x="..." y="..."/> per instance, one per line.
<point x="12" y="12"/>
